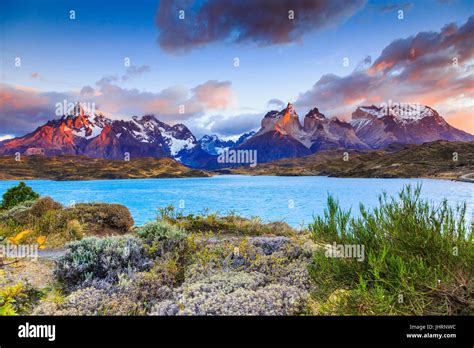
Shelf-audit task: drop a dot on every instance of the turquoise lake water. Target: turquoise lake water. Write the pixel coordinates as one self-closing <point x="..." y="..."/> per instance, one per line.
<point x="292" y="199"/>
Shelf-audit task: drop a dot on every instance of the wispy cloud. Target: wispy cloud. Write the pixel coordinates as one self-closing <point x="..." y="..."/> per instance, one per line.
<point x="133" y="71"/>
<point x="263" y="22"/>
<point x="396" y="6"/>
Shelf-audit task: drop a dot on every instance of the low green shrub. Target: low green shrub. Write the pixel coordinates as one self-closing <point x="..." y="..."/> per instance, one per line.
<point x="229" y="224"/>
<point x="419" y="259"/>
<point x="160" y="231"/>
<point x="94" y="261"/>
<point x="18" y="214"/>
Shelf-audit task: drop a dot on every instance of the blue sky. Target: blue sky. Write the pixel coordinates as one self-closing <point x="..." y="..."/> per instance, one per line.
<point x="65" y="55"/>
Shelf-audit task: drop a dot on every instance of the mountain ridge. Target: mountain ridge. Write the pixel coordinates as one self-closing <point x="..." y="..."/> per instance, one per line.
<point x="281" y="135"/>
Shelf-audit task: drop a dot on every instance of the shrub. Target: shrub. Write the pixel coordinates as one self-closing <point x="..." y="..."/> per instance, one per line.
<point x="113" y="216"/>
<point x="75" y="229"/>
<point x="93" y="261"/>
<point x="8" y="297"/>
<point x="51" y="222"/>
<point x="18" y="194"/>
<point x="234" y="293"/>
<point x="18" y="214"/>
<point x="44" y="204"/>
<point x="89" y="301"/>
<point x="161" y="231"/>
<point x="230" y="224"/>
<point x="418" y="258"/>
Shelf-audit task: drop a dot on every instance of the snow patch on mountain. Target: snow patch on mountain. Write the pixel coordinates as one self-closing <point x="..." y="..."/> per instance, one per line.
<point x="176" y="145"/>
<point x="359" y="123"/>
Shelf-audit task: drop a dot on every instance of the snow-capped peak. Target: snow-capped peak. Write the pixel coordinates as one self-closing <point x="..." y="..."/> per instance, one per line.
<point x="401" y="112"/>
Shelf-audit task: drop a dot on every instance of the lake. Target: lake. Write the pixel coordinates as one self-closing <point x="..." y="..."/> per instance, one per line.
<point x="294" y="200"/>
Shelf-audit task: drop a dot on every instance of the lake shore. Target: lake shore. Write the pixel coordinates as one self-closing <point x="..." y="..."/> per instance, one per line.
<point x="436" y="160"/>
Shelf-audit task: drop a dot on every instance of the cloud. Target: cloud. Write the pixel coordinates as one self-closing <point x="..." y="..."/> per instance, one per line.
<point x="233" y="125"/>
<point x="214" y="94"/>
<point x="172" y="104"/>
<point x="432" y="68"/>
<point x="263" y="22"/>
<point x="276" y="103"/>
<point x="133" y="71"/>
<point x="396" y="6"/>
<point x="23" y="109"/>
<point x="6" y="137"/>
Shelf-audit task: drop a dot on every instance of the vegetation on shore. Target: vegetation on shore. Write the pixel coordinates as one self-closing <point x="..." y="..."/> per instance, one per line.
<point x="439" y="159"/>
<point x="417" y="259"/>
<point x="86" y="168"/>
<point x="58" y="224"/>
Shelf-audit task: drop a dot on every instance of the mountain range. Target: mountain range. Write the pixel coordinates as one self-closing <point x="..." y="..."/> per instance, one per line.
<point x="281" y="135"/>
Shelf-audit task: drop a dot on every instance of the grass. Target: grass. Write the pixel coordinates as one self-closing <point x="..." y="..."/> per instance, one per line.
<point x="419" y="259"/>
<point x="230" y="224"/>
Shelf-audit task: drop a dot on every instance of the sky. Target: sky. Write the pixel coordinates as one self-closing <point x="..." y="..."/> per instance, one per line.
<point x="218" y="66"/>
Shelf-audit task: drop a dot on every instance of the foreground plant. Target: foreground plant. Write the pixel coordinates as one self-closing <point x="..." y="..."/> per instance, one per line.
<point x="419" y="259"/>
<point x="17" y="195"/>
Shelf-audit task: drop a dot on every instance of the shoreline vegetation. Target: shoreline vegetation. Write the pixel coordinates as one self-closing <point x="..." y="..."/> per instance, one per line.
<point x="436" y="160"/>
<point x="62" y="168"/>
<point x="404" y="257"/>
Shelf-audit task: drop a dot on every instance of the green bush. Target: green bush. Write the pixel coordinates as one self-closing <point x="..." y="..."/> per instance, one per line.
<point x="229" y="224"/>
<point x="19" y="214"/>
<point x="160" y="231"/>
<point x="17" y="195"/>
<point x="419" y="259"/>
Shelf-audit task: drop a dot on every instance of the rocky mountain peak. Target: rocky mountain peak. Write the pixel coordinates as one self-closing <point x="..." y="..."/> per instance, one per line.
<point x="312" y="119"/>
<point x="315" y="113"/>
<point x="379" y="126"/>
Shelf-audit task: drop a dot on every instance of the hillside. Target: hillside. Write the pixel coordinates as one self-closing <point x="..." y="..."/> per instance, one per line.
<point x="433" y="160"/>
<point x="85" y="168"/>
